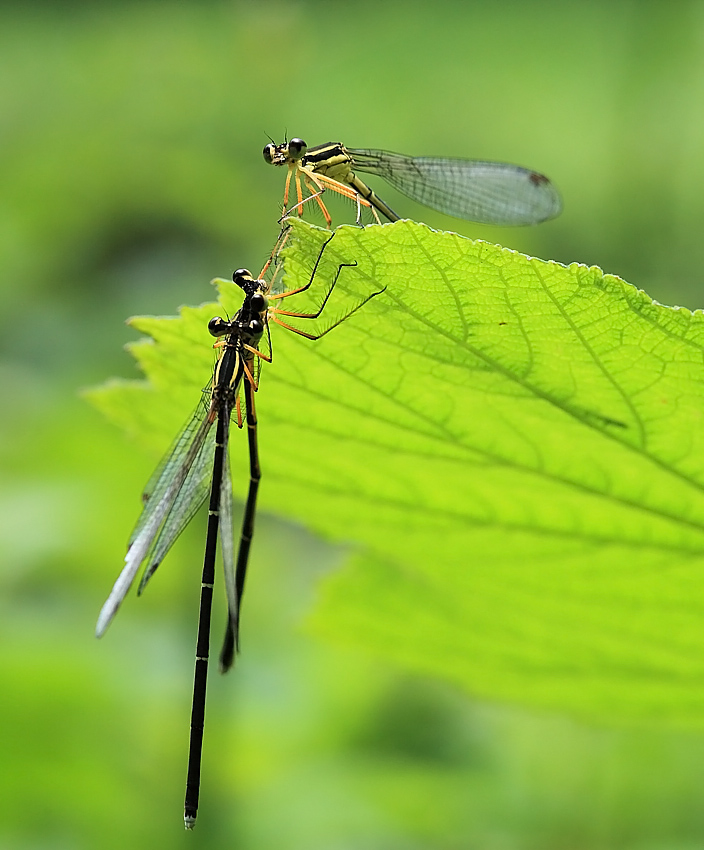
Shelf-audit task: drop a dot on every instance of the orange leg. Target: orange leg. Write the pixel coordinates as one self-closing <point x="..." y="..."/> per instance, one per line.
<point x="299" y="192"/>
<point x="288" y="185"/>
<point x="263" y="356"/>
<point x="316" y="184"/>
<point x="280" y="242"/>
<point x="311" y="184"/>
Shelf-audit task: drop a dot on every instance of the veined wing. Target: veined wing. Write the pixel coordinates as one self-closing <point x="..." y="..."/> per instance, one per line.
<point x="170" y="461"/>
<point x="175" y="470"/>
<point x="488" y="192"/>
<point x="191" y="496"/>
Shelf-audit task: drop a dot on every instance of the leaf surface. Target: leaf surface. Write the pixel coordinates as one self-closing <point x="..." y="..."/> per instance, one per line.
<point x="511" y="448"/>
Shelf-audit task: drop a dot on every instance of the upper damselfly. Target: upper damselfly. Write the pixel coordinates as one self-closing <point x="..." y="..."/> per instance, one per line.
<point x="197" y="463"/>
<point x="497" y="193"/>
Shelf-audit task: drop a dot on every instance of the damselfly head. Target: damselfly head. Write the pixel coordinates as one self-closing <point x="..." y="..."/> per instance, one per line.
<point x="288" y="152"/>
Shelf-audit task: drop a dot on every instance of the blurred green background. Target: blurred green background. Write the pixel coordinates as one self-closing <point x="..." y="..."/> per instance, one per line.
<point x="130" y="175"/>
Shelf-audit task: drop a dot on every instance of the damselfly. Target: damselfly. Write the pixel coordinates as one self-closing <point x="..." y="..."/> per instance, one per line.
<point x="488" y="192"/>
<point x="197" y="463"/>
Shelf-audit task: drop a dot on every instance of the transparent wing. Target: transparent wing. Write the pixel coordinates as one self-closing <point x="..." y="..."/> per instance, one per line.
<point x="174" y="472"/>
<point x="172" y="459"/>
<point x="488" y="192"/>
<point x="190" y="497"/>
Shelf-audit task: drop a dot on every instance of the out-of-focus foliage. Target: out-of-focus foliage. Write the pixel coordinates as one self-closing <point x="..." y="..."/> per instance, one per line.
<point x="130" y="175"/>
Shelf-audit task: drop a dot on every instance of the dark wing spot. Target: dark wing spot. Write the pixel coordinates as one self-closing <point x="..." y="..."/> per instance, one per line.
<point x="537" y="179"/>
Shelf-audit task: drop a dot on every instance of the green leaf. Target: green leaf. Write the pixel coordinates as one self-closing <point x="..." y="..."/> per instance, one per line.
<point x="512" y="449"/>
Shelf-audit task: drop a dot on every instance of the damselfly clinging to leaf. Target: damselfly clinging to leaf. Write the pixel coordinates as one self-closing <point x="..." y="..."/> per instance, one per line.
<point x="496" y="193"/>
<point x="197" y="463"/>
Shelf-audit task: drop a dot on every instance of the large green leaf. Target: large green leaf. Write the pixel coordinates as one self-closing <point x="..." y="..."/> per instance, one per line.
<point x="512" y="450"/>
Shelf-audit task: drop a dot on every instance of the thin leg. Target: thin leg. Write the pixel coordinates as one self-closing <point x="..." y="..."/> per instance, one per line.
<point x="231" y="640"/>
<point x="315" y="315"/>
<point x="333" y="325"/>
<point x="372" y="199"/>
<point x="323" y="181"/>
<point x="299" y="191"/>
<point x="286" y="188"/>
<point x="200" y="678"/>
<point x="314" y="196"/>
<point x="312" y="274"/>
<point x="316" y="184"/>
<point x="280" y="242"/>
<point x="358" y="220"/>
<point x="262" y="356"/>
<point x="275" y="311"/>
<point x="341" y="189"/>
<point x="311" y="185"/>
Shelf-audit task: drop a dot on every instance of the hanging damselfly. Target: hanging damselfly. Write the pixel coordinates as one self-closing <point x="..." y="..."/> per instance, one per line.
<point x="198" y="463"/>
<point x="497" y="193"/>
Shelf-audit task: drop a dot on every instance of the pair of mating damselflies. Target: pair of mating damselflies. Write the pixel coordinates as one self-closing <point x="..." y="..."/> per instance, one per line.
<point x="488" y="192"/>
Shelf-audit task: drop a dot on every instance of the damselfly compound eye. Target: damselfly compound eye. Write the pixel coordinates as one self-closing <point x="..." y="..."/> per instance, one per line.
<point x="218" y="326"/>
<point x="258" y="302"/>
<point x="241" y="276"/>
<point x="297" y="148"/>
